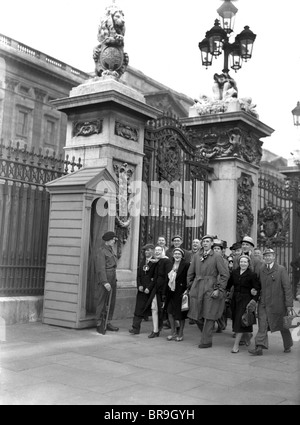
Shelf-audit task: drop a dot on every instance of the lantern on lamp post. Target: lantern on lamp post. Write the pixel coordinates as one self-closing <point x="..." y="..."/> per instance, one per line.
<point x="217" y="41"/>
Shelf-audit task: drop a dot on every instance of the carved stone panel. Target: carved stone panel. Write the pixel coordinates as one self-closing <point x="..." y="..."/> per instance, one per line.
<point x="87" y="128"/>
<point x="124" y="173"/>
<point x="245" y="216"/>
<point x="228" y="142"/>
<point x="126" y="131"/>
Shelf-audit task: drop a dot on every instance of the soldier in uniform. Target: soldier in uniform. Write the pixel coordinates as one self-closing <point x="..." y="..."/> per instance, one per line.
<point x="106" y="264"/>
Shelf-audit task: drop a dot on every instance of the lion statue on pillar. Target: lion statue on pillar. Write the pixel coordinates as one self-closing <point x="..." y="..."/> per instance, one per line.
<point x="109" y="55"/>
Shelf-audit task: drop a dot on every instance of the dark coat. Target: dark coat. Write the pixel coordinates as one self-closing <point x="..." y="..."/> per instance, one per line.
<point x="242" y="285"/>
<point x="204" y="277"/>
<point x="296" y="267"/>
<point x="174" y="298"/>
<point x="145" y="279"/>
<point x="160" y="279"/>
<point x="276" y="295"/>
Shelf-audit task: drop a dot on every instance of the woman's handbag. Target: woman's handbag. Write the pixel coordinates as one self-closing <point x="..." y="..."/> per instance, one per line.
<point x="185" y="302"/>
<point x="291" y="321"/>
<point x="249" y="318"/>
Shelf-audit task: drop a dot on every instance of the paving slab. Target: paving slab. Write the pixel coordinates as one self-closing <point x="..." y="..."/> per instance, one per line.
<point x="48" y="365"/>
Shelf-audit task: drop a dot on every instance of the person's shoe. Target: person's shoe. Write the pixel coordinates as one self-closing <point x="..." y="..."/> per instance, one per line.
<point x="248" y="342"/>
<point x="257" y="351"/>
<point x="171" y="337"/>
<point x="235" y="351"/>
<point x="100" y="329"/>
<point x="179" y="338"/>
<point x="112" y="328"/>
<point x="192" y="322"/>
<point x="205" y="345"/>
<point x="133" y="332"/>
<point x="219" y="331"/>
<point x="153" y="335"/>
<point x="287" y="350"/>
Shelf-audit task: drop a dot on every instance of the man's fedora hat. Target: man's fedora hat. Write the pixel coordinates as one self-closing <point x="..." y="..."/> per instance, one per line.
<point x="268" y="251"/>
<point x="248" y="240"/>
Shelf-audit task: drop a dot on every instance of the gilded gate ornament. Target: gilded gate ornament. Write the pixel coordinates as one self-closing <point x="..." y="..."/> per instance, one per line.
<point x="169" y="161"/>
<point x="273" y="224"/>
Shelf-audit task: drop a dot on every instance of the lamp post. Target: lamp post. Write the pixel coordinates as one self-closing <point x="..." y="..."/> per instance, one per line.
<point x="217" y="40"/>
<point x="296" y="114"/>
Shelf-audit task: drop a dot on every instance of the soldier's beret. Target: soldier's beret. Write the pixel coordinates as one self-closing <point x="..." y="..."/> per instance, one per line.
<point x="109" y="236"/>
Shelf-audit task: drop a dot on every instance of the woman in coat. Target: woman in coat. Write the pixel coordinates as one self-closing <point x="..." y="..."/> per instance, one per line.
<point x="157" y="296"/>
<point x="176" y="286"/>
<point x="145" y="285"/>
<point x="243" y="281"/>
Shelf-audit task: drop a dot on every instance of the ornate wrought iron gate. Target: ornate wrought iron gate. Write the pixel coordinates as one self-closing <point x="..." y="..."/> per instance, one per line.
<point x="176" y="177"/>
<point x="279" y="217"/>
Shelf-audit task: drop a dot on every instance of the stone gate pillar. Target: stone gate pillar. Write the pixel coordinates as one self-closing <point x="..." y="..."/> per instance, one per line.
<point x="232" y="143"/>
<point x="106" y="122"/>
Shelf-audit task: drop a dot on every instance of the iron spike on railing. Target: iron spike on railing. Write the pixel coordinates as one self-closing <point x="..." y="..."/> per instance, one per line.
<point x="9" y="149"/>
<point x="66" y="164"/>
<point x="32" y="156"/>
<point x="73" y="164"/>
<point x="40" y="156"/>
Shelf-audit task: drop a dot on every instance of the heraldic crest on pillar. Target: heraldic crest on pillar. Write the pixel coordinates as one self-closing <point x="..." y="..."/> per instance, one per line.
<point x="109" y="55"/>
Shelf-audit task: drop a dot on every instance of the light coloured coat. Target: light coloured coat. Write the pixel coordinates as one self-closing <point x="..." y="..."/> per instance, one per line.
<point x="276" y="295"/>
<point x="205" y="276"/>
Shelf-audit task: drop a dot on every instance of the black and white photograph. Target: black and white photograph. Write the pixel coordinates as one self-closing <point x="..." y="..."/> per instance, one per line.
<point x="150" y="205"/>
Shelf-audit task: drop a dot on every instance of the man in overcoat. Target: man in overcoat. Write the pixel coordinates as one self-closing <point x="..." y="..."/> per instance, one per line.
<point x="275" y="302"/>
<point x="207" y="278"/>
<point x="106" y="264"/>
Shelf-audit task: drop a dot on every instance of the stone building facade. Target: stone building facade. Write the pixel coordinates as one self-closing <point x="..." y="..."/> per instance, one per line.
<point x="30" y="80"/>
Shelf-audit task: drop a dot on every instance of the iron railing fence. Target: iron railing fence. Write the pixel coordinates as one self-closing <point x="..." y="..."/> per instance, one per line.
<point x="279" y="217"/>
<point x="24" y="216"/>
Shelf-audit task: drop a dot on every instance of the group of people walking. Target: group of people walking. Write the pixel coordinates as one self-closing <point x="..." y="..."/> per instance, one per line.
<point x="252" y="283"/>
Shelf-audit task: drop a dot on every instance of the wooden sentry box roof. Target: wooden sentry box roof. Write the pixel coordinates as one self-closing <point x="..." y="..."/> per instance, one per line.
<point x="82" y="180"/>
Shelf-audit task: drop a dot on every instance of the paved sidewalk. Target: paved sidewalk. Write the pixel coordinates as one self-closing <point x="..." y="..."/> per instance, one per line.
<point x="47" y="365"/>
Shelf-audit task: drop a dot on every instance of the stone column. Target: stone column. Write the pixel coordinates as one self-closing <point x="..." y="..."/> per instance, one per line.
<point x="232" y="142"/>
<point x="106" y="121"/>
